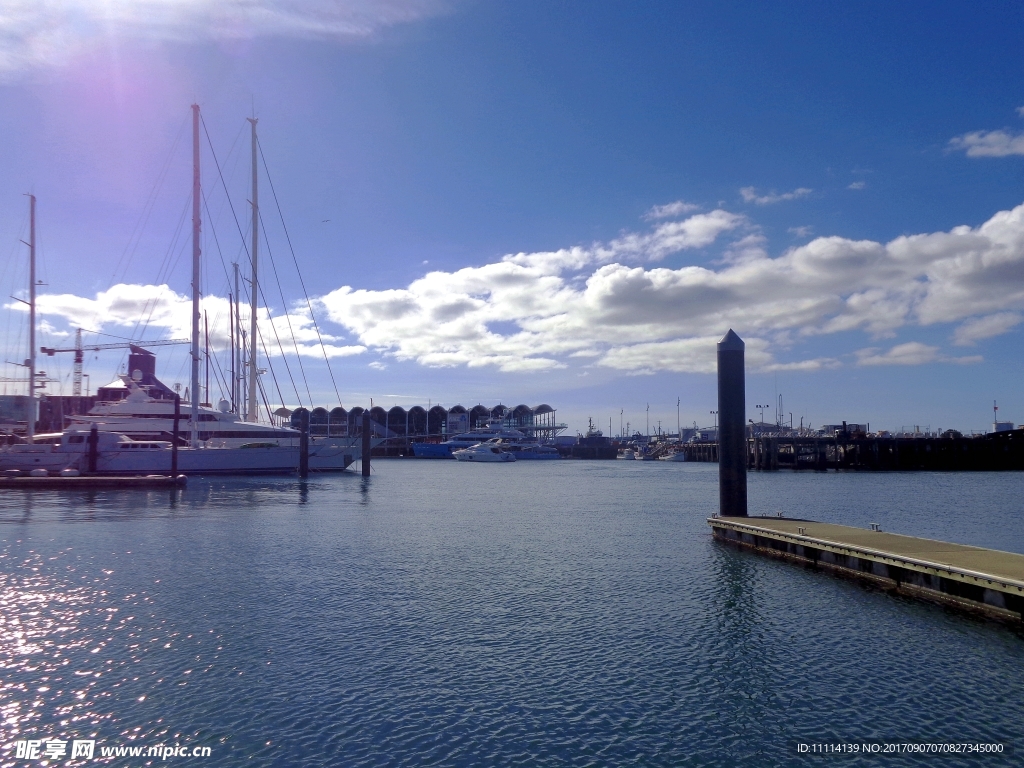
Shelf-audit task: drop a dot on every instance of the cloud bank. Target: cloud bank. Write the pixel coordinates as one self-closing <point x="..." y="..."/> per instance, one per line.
<point x="609" y="304"/>
<point x="157" y="311"/>
<point x="614" y="305"/>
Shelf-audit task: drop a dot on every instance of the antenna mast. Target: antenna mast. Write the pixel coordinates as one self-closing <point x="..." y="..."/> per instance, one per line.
<point x="76" y="383"/>
<point x="253" y="409"/>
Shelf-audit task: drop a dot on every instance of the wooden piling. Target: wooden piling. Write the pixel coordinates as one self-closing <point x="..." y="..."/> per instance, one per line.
<point x="93" y="442"/>
<point x="174" y="435"/>
<point x="304" y="443"/>
<point x="366" y="443"/>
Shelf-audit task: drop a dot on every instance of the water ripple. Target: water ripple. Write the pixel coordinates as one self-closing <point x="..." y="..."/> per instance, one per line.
<point x="572" y="613"/>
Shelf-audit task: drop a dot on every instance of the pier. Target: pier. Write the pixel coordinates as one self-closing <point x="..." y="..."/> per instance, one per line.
<point x="856" y="451"/>
<point x="978" y="580"/>
<point x="985" y="581"/>
<point x="995" y="452"/>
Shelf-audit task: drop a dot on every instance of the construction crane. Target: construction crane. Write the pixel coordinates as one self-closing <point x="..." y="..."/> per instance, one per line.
<point x="79" y="350"/>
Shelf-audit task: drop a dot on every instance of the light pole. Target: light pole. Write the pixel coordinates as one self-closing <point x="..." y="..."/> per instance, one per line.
<point x="760" y="409"/>
<point x="86" y="377"/>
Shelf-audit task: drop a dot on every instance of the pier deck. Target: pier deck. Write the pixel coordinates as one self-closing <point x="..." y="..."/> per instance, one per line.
<point x="972" y="578"/>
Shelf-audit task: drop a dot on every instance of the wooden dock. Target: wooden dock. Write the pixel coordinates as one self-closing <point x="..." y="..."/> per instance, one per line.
<point x="979" y="580"/>
<point x="93" y="481"/>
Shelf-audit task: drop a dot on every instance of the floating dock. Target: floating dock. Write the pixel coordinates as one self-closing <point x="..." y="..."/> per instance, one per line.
<point x="93" y="481"/>
<point x="974" y="579"/>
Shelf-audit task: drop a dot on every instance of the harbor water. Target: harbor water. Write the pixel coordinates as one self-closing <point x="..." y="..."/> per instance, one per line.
<point x="563" y="613"/>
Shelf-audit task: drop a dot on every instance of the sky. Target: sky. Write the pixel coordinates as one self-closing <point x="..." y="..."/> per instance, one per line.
<point x="534" y="202"/>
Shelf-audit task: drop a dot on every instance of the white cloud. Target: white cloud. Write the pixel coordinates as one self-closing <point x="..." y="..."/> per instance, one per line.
<point x="633" y="316"/>
<point x="1000" y="143"/>
<point x="911" y="353"/>
<point x="857" y="185"/>
<point x="1020" y="111"/>
<point x="51" y="32"/>
<point x="801" y="231"/>
<point x="670" y="210"/>
<point x="750" y="195"/>
<point x="158" y="311"/>
<point x="610" y="304"/>
<point x="980" y="328"/>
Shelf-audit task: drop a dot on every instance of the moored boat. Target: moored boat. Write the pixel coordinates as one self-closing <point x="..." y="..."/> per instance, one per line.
<point x="483" y="452"/>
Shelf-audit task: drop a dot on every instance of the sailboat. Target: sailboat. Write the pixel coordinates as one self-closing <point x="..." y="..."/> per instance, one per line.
<point x="219" y="442"/>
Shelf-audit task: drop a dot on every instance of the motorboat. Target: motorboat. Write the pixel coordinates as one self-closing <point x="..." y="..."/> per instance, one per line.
<point x="526" y="451"/>
<point x="446" y="450"/>
<point x="484" y="452"/>
<point x="627" y="455"/>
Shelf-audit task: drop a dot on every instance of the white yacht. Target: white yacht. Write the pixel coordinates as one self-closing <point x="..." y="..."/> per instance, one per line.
<point x="141" y="417"/>
<point x="117" y="454"/>
<point x="526" y="451"/>
<point x="481" y="452"/>
<point x="146" y="411"/>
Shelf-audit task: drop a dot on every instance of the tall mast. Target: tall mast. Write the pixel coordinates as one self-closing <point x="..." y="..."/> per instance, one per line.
<point x="253" y="408"/>
<point x="196" y="226"/>
<point x="206" y="354"/>
<point x="236" y="362"/>
<point x="231" y="335"/>
<point x="31" y="317"/>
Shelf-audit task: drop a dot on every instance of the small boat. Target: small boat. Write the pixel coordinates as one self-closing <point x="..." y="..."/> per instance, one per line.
<point x="483" y="452"/>
<point x="675" y="456"/>
<point x="627" y="455"/>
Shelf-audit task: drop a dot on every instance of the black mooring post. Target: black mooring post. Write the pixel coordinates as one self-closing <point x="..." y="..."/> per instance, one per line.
<point x="174" y="436"/>
<point x="366" y="443"/>
<point x="732" y="426"/>
<point x="94" y="439"/>
<point x="303" y="443"/>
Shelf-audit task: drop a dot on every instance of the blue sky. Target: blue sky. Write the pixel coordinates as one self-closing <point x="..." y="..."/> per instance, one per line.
<point x="545" y="202"/>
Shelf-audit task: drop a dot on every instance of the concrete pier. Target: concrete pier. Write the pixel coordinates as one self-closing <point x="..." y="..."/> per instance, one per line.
<point x="974" y="579"/>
